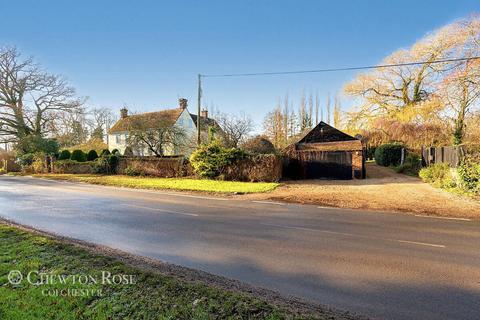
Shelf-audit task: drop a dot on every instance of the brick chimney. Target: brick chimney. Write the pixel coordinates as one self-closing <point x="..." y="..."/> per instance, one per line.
<point x="123" y="113"/>
<point x="182" y="103"/>
<point x="204" y="113"/>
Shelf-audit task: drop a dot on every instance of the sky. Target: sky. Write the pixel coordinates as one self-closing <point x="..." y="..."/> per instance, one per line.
<point x="147" y="54"/>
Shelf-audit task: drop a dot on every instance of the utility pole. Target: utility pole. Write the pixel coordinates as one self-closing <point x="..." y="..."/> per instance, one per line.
<point x="199" y="101"/>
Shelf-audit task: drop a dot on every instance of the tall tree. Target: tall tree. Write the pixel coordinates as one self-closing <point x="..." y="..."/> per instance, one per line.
<point x="30" y="98"/>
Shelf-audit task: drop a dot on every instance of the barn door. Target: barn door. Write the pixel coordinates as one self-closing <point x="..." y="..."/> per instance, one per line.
<point x="330" y="165"/>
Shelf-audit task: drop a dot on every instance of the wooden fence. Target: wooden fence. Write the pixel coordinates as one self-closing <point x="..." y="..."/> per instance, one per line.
<point x="452" y="155"/>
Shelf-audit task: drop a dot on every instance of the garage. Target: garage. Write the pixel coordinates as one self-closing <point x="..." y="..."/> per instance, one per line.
<point x="325" y="153"/>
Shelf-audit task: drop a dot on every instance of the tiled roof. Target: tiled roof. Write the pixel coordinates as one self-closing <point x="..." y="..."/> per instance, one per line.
<point x="325" y="133"/>
<point x="148" y="119"/>
<point x="151" y="119"/>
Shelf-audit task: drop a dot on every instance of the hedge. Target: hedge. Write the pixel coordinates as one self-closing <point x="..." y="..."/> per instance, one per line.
<point x="64" y="155"/>
<point x="92" y="155"/>
<point x="78" y="155"/>
<point x="389" y="154"/>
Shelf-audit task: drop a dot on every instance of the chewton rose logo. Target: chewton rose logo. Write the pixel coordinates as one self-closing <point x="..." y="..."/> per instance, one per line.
<point x="15" y="277"/>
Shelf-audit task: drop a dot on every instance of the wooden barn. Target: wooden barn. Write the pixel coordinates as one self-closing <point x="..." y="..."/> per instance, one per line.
<point x="325" y="152"/>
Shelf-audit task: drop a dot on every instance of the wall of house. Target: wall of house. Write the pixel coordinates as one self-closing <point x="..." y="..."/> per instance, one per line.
<point x="117" y="141"/>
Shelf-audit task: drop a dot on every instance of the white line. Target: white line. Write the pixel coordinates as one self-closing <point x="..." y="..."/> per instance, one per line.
<point x="445" y="218"/>
<point x="354" y="235"/>
<point x="421" y="243"/>
<point x="271" y="202"/>
<point x="161" y="210"/>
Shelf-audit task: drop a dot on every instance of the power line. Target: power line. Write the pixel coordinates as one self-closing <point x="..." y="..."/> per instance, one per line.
<point x="335" y="69"/>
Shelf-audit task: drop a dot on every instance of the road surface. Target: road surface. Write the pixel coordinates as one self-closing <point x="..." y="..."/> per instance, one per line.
<point x="383" y="265"/>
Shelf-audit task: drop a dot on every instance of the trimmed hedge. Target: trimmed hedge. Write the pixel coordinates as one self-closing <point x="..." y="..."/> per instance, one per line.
<point x="389" y="154"/>
<point x="105" y="152"/>
<point x="92" y="155"/>
<point x="64" y="155"/>
<point x="79" y="156"/>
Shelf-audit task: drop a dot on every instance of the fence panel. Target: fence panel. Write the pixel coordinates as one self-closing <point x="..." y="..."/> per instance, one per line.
<point x="448" y="154"/>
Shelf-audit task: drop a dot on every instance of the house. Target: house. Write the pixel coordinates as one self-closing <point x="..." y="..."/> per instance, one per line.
<point x="180" y="117"/>
<point x="325" y="152"/>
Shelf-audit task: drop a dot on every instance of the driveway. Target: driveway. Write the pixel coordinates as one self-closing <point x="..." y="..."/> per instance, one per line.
<point x="387" y="266"/>
<point x="383" y="190"/>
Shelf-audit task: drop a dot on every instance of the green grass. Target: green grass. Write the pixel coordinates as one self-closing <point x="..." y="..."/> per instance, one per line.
<point x="169" y="183"/>
<point x="153" y="296"/>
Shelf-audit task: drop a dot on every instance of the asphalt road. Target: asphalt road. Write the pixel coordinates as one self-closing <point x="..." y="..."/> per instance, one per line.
<point x="383" y="265"/>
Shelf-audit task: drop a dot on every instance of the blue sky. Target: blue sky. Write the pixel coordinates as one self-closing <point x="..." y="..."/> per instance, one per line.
<point x="146" y="54"/>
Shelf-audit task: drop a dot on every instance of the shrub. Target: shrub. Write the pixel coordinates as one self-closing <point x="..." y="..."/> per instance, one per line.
<point x="259" y="145"/>
<point x="39" y="164"/>
<point x="105" y="152"/>
<point x="131" y="171"/>
<point x="469" y="174"/>
<point x="438" y="174"/>
<point x="112" y="162"/>
<point x="25" y="159"/>
<point x="116" y="152"/>
<point x="64" y="155"/>
<point x="209" y="160"/>
<point x="411" y="165"/>
<point x="128" y="152"/>
<point x="78" y="155"/>
<point x="92" y="155"/>
<point x="389" y="154"/>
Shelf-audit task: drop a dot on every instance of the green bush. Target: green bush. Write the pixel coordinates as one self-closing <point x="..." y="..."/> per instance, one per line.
<point x="34" y="143"/>
<point x="78" y="155"/>
<point x="105" y="152"/>
<point x="411" y="165"/>
<point x="116" y="152"/>
<point x="469" y="174"/>
<point x="438" y="174"/>
<point x="209" y="160"/>
<point x="25" y="159"/>
<point x="389" y="154"/>
<point x="64" y="155"/>
<point x="92" y="155"/>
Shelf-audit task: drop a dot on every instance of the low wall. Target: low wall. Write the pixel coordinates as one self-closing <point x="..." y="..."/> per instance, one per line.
<point x="255" y="168"/>
<point x="74" y="167"/>
<point x="167" y="167"/>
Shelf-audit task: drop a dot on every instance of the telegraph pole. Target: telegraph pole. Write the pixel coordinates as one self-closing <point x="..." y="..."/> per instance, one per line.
<point x="199" y="101"/>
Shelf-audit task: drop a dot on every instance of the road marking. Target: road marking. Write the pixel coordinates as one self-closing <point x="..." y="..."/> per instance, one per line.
<point x="270" y="202"/>
<point x="161" y="210"/>
<point x="421" y="243"/>
<point x="354" y="235"/>
<point x="444" y="218"/>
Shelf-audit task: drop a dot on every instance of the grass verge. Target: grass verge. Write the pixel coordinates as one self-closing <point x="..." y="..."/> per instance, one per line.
<point x="184" y="184"/>
<point x="152" y="296"/>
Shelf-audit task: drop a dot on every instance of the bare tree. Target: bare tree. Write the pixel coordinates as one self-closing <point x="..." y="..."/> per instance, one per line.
<point x="100" y="120"/>
<point x="30" y="98"/>
<point x="160" y="139"/>
<point x="236" y="128"/>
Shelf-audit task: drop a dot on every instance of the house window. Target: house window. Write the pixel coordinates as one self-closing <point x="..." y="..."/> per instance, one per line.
<point x="180" y="122"/>
<point x="118" y="138"/>
<point x="190" y="124"/>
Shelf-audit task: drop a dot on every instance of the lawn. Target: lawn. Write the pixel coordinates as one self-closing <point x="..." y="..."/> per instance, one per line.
<point x="149" y="296"/>
<point x="168" y="183"/>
